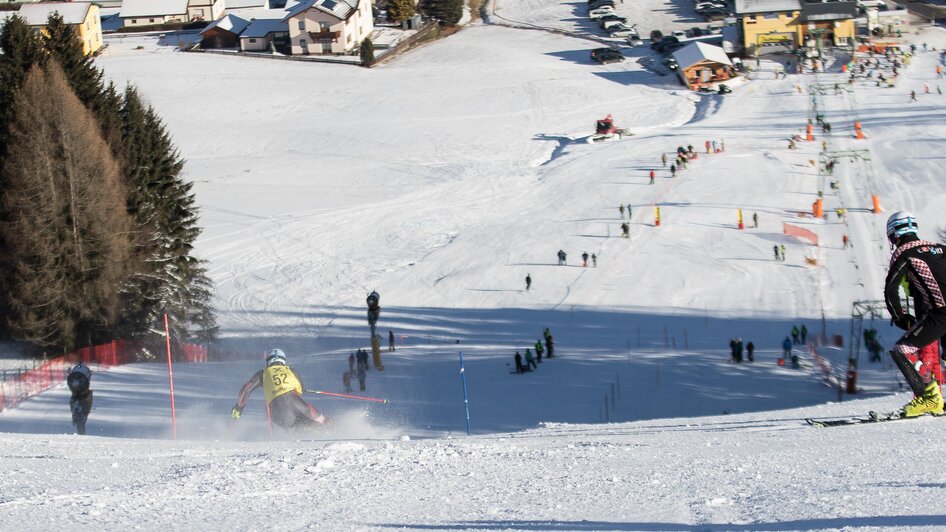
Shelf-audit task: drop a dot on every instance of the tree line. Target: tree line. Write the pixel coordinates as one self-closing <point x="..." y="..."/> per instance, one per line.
<point x="97" y="226"/>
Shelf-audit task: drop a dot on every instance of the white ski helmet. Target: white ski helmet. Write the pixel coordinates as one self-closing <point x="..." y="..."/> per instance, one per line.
<point x="276" y="356"/>
<point x="900" y="223"/>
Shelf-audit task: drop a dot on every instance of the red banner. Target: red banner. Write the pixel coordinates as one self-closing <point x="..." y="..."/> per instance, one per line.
<point x="800" y="232"/>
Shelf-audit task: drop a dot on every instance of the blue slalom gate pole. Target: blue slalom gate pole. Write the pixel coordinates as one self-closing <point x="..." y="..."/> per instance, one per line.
<point x="466" y="401"/>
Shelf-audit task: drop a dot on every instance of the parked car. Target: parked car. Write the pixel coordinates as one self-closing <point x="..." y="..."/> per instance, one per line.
<point x="696" y="32"/>
<point x="595" y="14"/>
<point x="620" y="30"/>
<point x="669" y="48"/>
<point x="715" y="14"/>
<point x="709" y="5"/>
<point x="714" y="29"/>
<point x="724" y="89"/>
<point x="608" y="19"/>
<point x="601" y="4"/>
<point x="600" y="12"/>
<point x="679" y="34"/>
<point x="666" y="41"/>
<point x="634" y="39"/>
<point x="607" y="55"/>
<point x="671" y="63"/>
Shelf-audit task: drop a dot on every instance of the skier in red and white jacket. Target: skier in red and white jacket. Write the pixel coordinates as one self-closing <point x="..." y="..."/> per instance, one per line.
<point x="922" y="265"/>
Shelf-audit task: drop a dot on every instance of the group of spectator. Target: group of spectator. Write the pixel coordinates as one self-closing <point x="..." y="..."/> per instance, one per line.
<point x="530" y="362"/>
<point x="736" y="349"/>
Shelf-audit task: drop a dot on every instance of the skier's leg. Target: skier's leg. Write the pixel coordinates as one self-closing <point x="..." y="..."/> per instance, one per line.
<point x="906" y="354"/>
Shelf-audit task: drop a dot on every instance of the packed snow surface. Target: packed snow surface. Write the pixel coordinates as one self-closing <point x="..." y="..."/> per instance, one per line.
<point x="442" y="179"/>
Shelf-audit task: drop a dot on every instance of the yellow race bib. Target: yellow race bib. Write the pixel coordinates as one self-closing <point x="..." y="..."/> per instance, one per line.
<point x="279" y="380"/>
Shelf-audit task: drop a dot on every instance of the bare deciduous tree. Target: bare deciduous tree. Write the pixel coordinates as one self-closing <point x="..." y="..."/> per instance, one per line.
<point x="68" y="229"/>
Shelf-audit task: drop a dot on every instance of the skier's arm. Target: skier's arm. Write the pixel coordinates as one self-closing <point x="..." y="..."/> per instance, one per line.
<point x="895" y="276"/>
<point x="255" y="382"/>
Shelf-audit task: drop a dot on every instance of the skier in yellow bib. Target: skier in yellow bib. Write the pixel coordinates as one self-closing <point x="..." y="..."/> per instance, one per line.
<point x="283" y="389"/>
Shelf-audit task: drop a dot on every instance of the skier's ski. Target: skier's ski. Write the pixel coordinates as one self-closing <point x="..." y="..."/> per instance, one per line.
<point x="872" y="417"/>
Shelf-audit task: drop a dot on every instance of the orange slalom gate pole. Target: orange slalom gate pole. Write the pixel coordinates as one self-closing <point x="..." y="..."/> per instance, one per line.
<point x="810" y="132"/>
<point x="817" y="208"/>
<point x="876" y="201"/>
<point x="657" y="216"/>
<point x="741" y="226"/>
<point x="167" y="332"/>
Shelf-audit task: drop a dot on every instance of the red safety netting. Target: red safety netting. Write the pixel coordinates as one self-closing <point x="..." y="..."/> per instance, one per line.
<point x="18" y="387"/>
<point x="800" y="232"/>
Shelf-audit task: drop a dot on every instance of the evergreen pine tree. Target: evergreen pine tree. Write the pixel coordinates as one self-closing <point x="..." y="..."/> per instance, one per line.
<point x="400" y="10"/>
<point x="448" y="12"/>
<point x="367" y="51"/>
<point x="62" y="42"/>
<point x="20" y="49"/>
<point x="169" y="279"/>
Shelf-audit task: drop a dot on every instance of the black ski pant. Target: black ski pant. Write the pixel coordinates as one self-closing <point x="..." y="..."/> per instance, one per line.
<point x="906" y="352"/>
<point x="290" y="411"/>
<point x="80" y="405"/>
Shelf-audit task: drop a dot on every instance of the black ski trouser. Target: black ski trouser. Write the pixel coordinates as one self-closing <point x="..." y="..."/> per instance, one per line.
<point x="81" y="406"/>
<point x="290" y="411"/>
<point x="905" y="353"/>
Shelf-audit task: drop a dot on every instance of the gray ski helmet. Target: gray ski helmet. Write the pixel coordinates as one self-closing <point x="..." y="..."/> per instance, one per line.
<point x="276" y="356"/>
<point x="900" y="223"/>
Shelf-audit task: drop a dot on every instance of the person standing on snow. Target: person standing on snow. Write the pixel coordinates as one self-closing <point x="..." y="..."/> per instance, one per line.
<point x="539" y="350"/>
<point x="530" y="362"/>
<point x="561" y="258"/>
<point x="584" y="259"/>
<point x="518" y="359"/>
<point x="79" y="381"/>
<point x="594" y="260"/>
<point x="775" y="249"/>
<point x="782" y="249"/>
<point x="361" y="374"/>
<point x="528" y="281"/>
<point x="346" y="381"/>
<point x="621" y="209"/>
<point x="786" y="348"/>
<point x="283" y="388"/>
<point x="663" y="159"/>
<point x="923" y="265"/>
<point x="795" y="334"/>
<point x="804" y="334"/>
<point x="750" y="351"/>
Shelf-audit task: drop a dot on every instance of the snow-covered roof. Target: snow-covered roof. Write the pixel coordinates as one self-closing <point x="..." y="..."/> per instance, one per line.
<point x="340" y="9"/>
<point x="156" y="8"/>
<point x="260" y="28"/>
<point x="243" y="4"/>
<point x="231" y="23"/>
<point x="71" y="12"/>
<point x="700" y="51"/>
<point x="764" y="6"/>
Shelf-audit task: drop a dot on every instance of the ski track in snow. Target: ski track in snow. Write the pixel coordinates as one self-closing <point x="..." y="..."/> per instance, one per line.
<point x="442" y="195"/>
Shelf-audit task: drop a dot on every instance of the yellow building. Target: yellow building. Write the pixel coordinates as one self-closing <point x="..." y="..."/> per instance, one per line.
<point x="784" y="25"/>
<point x="83" y="16"/>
